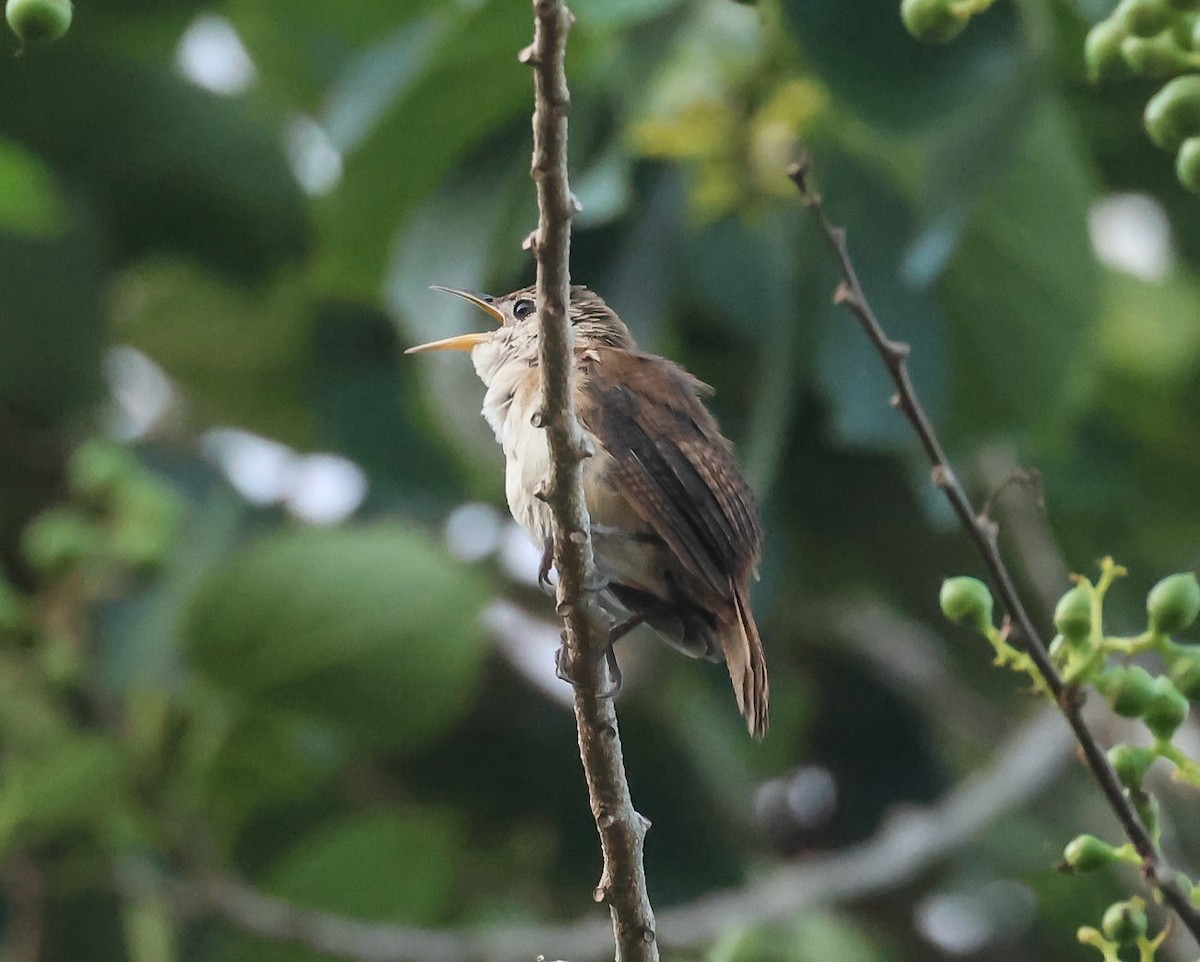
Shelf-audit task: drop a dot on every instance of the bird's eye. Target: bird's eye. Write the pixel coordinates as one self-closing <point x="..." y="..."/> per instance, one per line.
<point x="523" y="308"/>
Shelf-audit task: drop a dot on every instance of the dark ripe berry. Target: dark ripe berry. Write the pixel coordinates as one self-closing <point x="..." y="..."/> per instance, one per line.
<point x="37" y="21"/>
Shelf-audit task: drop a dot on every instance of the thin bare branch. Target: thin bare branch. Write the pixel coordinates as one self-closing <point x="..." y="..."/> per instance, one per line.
<point x="622" y="830"/>
<point x="982" y="531"/>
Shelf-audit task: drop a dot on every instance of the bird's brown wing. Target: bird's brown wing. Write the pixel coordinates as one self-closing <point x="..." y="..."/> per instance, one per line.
<point x="672" y="463"/>
<point x="678" y="472"/>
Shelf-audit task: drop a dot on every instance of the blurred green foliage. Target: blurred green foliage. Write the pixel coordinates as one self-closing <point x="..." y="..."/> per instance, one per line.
<point x="209" y="683"/>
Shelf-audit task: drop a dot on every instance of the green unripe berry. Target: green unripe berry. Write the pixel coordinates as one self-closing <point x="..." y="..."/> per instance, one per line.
<point x="1173" y="114"/>
<point x="1144" y="18"/>
<point x="1124" y="922"/>
<point x="1185" y="671"/>
<point x="1159" y="56"/>
<point x="1073" y="614"/>
<point x="1147" y="807"/>
<point x="967" y="602"/>
<point x="934" y="21"/>
<point x="1187" y="164"/>
<point x="1183" y="29"/>
<point x="35" y="21"/>
<point x="1131" y="764"/>
<point x="1168" y="709"/>
<point x="1174" y="602"/>
<point x="1102" y="51"/>
<point x="1129" y="690"/>
<point x="1086" y="853"/>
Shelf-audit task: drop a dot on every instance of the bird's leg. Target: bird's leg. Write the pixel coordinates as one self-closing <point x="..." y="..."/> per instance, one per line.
<point x="610" y="661"/>
<point x="615" y="633"/>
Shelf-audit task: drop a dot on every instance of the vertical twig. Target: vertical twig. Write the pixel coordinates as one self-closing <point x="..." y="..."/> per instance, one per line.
<point x="622" y="830"/>
<point x="982" y="532"/>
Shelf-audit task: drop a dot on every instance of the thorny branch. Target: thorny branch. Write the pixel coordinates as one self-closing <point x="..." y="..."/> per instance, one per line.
<point x="1157" y="874"/>
<point x="585" y="640"/>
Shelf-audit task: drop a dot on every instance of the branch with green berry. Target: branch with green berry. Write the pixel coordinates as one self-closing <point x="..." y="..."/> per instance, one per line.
<point x="1084" y="654"/>
<point x="1057" y="670"/>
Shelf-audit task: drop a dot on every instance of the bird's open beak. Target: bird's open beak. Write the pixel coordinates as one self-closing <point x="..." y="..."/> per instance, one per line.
<point x="463" y="342"/>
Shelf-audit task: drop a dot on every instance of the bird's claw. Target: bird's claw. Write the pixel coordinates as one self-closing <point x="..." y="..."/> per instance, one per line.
<point x="546" y="563"/>
<point x="610" y="660"/>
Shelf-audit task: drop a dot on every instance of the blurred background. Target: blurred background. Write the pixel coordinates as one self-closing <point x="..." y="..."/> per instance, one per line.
<point x="265" y="616"/>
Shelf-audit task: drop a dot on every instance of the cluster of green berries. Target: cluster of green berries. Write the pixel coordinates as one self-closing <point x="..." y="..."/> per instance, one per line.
<point x="1082" y="652"/>
<point x="38" y="21"/>
<point x="1144" y="38"/>
<point x="118" y="514"/>
<point x="1157" y="39"/>
<point x="939" y="21"/>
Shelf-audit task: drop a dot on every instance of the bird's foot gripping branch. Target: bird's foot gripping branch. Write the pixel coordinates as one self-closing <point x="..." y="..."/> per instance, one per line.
<point x="1084" y="654"/>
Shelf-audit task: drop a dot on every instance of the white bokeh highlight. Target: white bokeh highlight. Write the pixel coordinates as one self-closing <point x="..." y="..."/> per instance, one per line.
<point x="326" y="488"/>
<point x="319" y="488"/>
<point x="1131" y="233"/>
<point x="211" y="55"/>
<point x="142" y="394"/>
<point x="472" y="531"/>
<point x="530" y="645"/>
<point x="316" y="163"/>
<point x="520" y="558"/>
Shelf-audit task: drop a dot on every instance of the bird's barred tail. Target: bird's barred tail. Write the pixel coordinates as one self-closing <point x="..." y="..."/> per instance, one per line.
<point x="747" y="665"/>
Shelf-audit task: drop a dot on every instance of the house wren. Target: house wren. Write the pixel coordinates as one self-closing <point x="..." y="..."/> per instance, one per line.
<point x="675" y="526"/>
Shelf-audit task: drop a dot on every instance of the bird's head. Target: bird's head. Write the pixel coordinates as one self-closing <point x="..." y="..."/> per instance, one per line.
<point x="516" y="338"/>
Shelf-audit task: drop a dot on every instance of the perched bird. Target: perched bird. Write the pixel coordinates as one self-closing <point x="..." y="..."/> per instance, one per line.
<point x="675" y="526"/>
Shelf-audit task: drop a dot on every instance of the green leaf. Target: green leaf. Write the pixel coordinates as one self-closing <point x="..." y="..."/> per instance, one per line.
<point x="1022" y="290"/>
<point x="266" y="758"/>
<point x="394" y="868"/>
<point x="473" y="88"/>
<point x="165" y="163"/>
<point x="242" y="356"/>
<point x="29" y="198"/>
<point x="71" y="781"/>
<point x="374" y="628"/>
